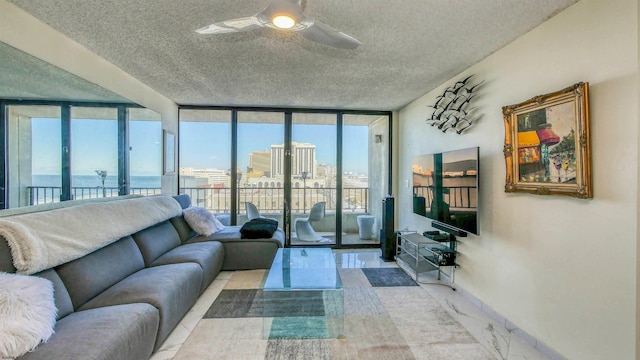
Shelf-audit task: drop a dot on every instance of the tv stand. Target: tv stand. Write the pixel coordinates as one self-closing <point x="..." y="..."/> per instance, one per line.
<point x="417" y="254"/>
<point x="448" y="229"/>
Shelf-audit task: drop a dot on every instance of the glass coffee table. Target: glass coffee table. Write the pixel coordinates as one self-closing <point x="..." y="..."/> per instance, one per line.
<point x="303" y="296"/>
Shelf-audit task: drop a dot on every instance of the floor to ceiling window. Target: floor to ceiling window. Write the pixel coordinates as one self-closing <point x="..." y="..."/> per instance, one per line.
<point x="58" y="151"/>
<point x="145" y="151"/>
<point x="365" y="160"/>
<point x="260" y="174"/>
<point x="205" y="159"/>
<point x="314" y="179"/>
<point x="34" y="167"/>
<point x="315" y="172"/>
<point x="94" y="152"/>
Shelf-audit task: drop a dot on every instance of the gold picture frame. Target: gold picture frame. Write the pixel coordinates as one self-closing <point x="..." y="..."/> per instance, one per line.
<point x="547" y="148"/>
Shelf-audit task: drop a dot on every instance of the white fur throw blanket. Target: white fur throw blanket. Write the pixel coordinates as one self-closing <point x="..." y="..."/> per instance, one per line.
<point x="46" y="239"/>
<point x="27" y="313"/>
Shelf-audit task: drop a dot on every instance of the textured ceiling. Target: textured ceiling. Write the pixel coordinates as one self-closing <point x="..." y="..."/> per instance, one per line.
<point x="409" y="47"/>
<point x="23" y="76"/>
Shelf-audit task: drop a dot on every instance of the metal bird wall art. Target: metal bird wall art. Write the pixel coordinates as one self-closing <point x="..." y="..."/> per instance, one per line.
<point x="452" y="110"/>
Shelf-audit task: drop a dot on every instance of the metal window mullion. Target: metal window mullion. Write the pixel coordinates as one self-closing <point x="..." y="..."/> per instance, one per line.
<point x="390" y="146"/>
<point x="339" y="174"/>
<point x="4" y="195"/>
<point x="65" y="119"/>
<point x="123" y="151"/>
<point x="288" y="129"/>
<point x="234" y="167"/>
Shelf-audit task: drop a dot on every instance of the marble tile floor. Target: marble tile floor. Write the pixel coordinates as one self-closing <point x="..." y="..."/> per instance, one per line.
<point x="491" y="333"/>
<point x="347" y="239"/>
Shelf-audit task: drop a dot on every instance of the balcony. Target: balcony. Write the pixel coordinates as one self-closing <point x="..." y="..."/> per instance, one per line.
<point x="218" y="199"/>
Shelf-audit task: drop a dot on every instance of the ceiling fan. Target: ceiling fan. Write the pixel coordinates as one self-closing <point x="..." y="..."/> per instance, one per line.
<point x="285" y="15"/>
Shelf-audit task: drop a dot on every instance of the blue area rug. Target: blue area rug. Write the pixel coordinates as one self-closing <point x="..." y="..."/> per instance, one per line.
<point x="361" y="322"/>
<point x="300" y="327"/>
<point x="385" y="277"/>
<point x="258" y="303"/>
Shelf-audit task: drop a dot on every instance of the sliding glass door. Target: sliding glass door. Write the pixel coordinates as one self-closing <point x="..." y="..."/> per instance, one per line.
<point x="313" y="179"/>
<point x="365" y="160"/>
<point x="321" y="175"/>
<point x="261" y="166"/>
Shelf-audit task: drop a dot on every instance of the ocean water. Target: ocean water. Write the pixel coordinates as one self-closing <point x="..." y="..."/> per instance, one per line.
<point x="47" y="188"/>
<point x="94" y="181"/>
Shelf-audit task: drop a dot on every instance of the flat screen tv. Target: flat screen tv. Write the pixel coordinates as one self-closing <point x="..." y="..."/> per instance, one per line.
<point x="445" y="189"/>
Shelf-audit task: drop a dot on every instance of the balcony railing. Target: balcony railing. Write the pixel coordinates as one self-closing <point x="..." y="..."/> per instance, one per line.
<point x="463" y="197"/>
<point x="218" y="199"/>
<point x="50" y="194"/>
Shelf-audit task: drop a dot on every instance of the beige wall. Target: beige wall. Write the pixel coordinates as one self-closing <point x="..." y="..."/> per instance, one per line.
<point x="638" y="217"/>
<point x="26" y="33"/>
<point x="562" y="269"/>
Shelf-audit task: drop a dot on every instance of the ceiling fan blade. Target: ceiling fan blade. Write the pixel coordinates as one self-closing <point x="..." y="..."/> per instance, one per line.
<point x="232" y="26"/>
<point x="325" y="34"/>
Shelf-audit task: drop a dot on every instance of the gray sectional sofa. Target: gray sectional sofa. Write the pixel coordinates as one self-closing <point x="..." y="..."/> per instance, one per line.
<point x="123" y="300"/>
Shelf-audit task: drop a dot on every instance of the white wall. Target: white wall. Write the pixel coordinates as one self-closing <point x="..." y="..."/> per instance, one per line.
<point x="562" y="269"/>
<point x="24" y="32"/>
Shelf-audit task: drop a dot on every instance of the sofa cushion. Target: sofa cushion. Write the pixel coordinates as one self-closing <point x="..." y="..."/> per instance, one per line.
<point x="122" y="332"/>
<point x="229" y="233"/>
<point x="172" y="289"/>
<point x="156" y="240"/>
<point x="91" y="274"/>
<point x="232" y="233"/>
<point x="60" y="293"/>
<point x="184" y="230"/>
<point x="242" y="254"/>
<point x="184" y="200"/>
<point x="209" y="255"/>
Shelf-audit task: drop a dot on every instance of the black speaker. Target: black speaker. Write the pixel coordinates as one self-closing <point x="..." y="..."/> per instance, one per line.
<point x="387" y="234"/>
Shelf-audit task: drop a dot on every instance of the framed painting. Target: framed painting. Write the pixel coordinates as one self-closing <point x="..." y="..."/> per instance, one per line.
<point x="546" y="148"/>
<point x="169" y="153"/>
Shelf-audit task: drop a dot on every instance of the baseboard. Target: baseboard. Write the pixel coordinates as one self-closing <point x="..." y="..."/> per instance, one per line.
<point x="511" y="327"/>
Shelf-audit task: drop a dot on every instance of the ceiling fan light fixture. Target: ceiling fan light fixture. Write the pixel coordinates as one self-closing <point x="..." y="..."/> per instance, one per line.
<point x="283" y="21"/>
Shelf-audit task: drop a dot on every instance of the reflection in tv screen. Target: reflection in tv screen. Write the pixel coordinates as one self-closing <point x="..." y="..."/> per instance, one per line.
<point x="445" y="188"/>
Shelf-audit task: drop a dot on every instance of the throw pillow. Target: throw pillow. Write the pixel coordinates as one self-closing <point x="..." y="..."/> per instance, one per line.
<point x="27" y="313"/>
<point x="219" y="224"/>
<point x="259" y="228"/>
<point x="202" y="221"/>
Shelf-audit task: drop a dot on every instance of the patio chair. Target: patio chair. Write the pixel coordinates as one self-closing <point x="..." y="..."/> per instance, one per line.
<point x="252" y="211"/>
<point x="304" y="231"/>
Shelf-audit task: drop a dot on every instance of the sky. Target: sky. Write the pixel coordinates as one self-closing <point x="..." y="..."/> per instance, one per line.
<point x="94" y="145"/>
<point x="202" y="145"/>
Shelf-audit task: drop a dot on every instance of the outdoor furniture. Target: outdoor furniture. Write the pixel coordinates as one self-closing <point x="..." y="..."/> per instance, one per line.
<point x="304" y="231"/>
<point x="252" y="211"/>
<point x="365" y="226"/>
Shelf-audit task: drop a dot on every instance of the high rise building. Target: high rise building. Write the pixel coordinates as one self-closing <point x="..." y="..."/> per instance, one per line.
<point x="303" y="159"/>
<point x="277" y="160"/>
<point x="260" y="163"/>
